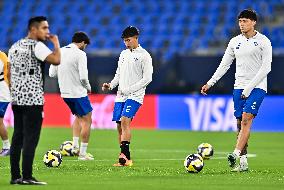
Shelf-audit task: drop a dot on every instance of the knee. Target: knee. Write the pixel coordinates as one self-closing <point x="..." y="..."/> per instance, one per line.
<point x="124" y="123"/>
<point x="247" y="119"/>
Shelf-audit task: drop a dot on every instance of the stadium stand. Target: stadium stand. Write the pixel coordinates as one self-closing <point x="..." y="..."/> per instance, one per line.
<point x="167" y="26"/>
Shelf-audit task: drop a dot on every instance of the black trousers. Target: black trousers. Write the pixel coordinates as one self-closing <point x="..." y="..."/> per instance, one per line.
<point x="27" y="127"/>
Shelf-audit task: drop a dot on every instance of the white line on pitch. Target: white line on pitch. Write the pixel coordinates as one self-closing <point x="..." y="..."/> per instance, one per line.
<point x="161" y="159"/>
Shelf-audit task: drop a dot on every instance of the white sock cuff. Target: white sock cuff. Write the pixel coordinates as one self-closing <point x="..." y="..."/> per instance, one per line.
<point x="84" y="144"/>
<point x="237" y="152"/>
<point x="6" y="144"/>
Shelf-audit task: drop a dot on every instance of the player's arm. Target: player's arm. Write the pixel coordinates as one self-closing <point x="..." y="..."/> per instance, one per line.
<point x="8" y="74"/>
<point x="53" y="71"/>
<point x="146" y="79"/>
<point x="83" y="71"/>
<point x="43" y="53"/>
<point x="225" y="64"/>
<point x="263" y="71"/>
<point x="114" y="82"/>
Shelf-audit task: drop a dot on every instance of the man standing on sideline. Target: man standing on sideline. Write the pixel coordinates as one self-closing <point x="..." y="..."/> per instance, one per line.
<point x="4" y="102"/>
<point x="253" y="53"/>
<point x="27" y="59"/>
<point x="133" y="74"/>
<point x="72" y="74"/>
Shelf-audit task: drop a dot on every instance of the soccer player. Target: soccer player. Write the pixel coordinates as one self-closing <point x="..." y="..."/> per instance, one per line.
<point x="133" y="74"/>
<point x="4" y="102"/>
<point x="72" y="74"/>
<point x="253" y="53"/>
<point x="27" y="59"/>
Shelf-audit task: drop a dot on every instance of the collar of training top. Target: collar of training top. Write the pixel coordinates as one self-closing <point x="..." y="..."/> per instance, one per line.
<point x="136" y="49"/>
<point x="253" y="37"/>
<point x="73" y="45"/>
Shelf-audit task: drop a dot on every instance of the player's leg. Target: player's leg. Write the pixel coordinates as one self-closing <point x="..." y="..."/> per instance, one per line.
<point x="125" y="138"/>
<point x="85" y="122"/>
<point x="238" y="107"/>
<point x="16" y="145"/>
<point x="76" y="129"/>
<point x="32" y="122"/>
<point x="119" y="131"/>
<point x="83" y="111"/>
<point x="243" y="166"/>
<point x="3" y="131"/>
<point x="244" y="134"/>
<point x="250" y="110"/>
<point x="129" y="110"/>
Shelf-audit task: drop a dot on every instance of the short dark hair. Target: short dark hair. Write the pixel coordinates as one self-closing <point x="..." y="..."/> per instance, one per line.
<point x="33" y="21"/>
<point x="80" y="36"/>
<point x="130" y="31"/>
<point x="249" y="14"/>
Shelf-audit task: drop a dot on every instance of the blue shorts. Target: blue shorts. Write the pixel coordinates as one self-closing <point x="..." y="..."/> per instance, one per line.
<point x="126" y="109"/>
<point x="79" y="106"/>
<point x="3" y="108"/>
<point x="249" y="105"/>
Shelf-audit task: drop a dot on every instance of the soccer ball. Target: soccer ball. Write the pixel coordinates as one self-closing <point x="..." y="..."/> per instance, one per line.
<point x="205" y="150"/>
<point x="193" y="163"/>
<point x="52" y="158"/>
<point x="66" y="148"/>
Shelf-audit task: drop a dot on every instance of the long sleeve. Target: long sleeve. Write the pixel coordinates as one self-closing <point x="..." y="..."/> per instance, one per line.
<point x="264" y="69"/>
<point x="83" y="71"/>
<point x="114" y="82"/>
<point x="53" y="71"/>
<point x="225" y="64"/>
<point x="147" y="76"/>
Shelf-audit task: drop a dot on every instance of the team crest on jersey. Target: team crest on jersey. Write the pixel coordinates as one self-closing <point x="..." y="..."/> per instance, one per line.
<point x="135" y="59"/>
<point x="255" y="43"/>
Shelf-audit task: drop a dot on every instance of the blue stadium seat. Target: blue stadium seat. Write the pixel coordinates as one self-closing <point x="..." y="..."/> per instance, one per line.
<point x="166" y="26"/>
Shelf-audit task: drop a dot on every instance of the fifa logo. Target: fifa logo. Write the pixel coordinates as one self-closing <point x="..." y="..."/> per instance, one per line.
<point x="255" y="43"/>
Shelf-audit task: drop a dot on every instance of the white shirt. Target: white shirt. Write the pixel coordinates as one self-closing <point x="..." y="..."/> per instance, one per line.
<point x="42" y="51"/>
<point x="133" y="74"/>
<point x="72" y="72"/>
<point x="4" y="88"/>
<point x="253" y="62"/>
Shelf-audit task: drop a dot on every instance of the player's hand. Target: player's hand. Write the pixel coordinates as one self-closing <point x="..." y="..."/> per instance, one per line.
<point x="106" y="86"/>
<point x="243" y="97"/>
<point x="53" y="38"/>
<point x="204" y="89"/>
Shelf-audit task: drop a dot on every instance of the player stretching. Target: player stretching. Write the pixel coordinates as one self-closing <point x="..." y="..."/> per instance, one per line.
<point x="73" y="82"/>
<point x="253" y="53"/>
<point x="4" y="102"/>
<point x="133" y="74"/>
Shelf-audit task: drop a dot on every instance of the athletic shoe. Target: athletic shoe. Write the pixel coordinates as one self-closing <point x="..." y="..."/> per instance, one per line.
<point x="90" y="155"/>
<point x="5" y="152"/>
<point x="232" y="159"/>
<point x="18" y="181"/>
<point x="242" y="167"/>
<point x="33" y="181"/>
<point x="86" y="157"/>
<point x="75" y="151"/>
<point x="123" y="161"/>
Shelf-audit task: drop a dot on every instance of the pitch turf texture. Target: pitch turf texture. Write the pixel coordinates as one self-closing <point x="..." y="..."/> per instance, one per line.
<point x="158" y="162"/>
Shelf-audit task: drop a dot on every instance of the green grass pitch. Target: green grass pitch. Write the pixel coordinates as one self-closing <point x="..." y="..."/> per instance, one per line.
<point x="158" y="162"/>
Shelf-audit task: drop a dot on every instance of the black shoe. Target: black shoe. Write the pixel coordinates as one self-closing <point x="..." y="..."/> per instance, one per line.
<point x="232" y="159"/>
<point x="33" y="181"/>
<point x="16" y="181"/>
